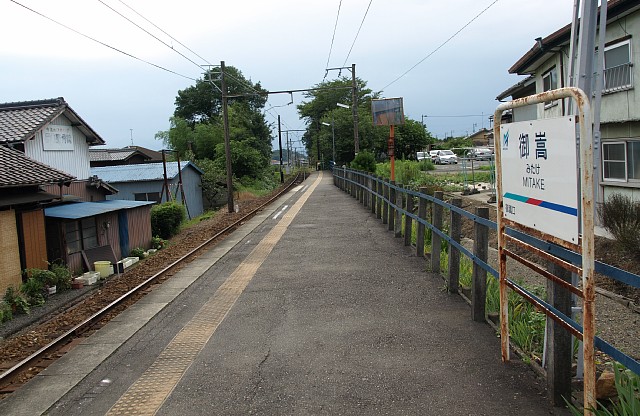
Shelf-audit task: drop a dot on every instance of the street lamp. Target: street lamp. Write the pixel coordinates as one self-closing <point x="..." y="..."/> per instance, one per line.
<point x="342" y="105"/>
<point x="333" y="136"/>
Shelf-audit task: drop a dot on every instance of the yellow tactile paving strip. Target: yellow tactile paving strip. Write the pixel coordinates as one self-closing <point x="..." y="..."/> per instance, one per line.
<point x="146" y="395"/>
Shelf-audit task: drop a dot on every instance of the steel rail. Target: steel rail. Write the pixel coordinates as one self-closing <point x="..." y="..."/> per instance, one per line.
<point x="8" y="376"/>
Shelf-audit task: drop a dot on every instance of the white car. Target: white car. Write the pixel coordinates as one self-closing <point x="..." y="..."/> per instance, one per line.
<point x="446" y="157"/>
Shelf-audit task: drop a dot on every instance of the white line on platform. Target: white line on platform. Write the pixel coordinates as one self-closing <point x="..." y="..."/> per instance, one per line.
<point x="275" y="217"/>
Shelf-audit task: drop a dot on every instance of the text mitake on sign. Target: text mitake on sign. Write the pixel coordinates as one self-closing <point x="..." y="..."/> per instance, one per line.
<point x="540" y="177"/>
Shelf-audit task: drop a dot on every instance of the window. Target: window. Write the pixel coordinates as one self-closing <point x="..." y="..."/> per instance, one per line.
<point x="148" y="196"/>
<point x="621" y="161"/>
<point x="81" y="235"/>
<point x="618" y="74"/>
<point x="550" y="82"/>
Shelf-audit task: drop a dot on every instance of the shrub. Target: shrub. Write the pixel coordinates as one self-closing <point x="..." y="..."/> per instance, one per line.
<point x="620" y="215"/>
<point x="33" y="289"/>
<point x="15" y="303"/>
<point x="158" y="243"/>
<point x="45" y="277"/>
<point x="364" y="161"/>
<point x="63" y="276"/>
<point x="137" y="252"/>
<point x="6" y="314"/>
<point x="166" y="219"/>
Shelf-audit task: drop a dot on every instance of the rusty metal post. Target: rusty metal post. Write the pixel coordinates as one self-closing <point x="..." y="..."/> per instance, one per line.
<point x="435" y="238"/>
<point x="392" y="200"/>
<point x="397" y="229"/>
<point x="479" y="283"/>
<point x="408" y="221"/>
<point x="455" y="229"/>
<point x="422" y="214"/>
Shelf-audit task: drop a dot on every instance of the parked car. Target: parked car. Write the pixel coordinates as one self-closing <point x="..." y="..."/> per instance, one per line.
<point x="433" y="154"/>
<point x="446" y="157"/>
<point x="480" y="153"/>
<point x="422" y="155"/>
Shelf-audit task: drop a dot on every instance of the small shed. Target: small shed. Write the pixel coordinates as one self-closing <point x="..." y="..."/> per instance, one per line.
<point x="74" y="228"/>
<point x="145" y="182"/>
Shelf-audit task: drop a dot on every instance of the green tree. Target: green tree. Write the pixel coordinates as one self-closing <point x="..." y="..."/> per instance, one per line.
<point x="203" y="101"/>
<point x="321" y="106"/>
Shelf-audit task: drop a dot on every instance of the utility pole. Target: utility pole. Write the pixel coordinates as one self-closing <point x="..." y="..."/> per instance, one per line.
<point x="280" y="144"/>
<point x="354" y="98"/>
<point x="227" y="143"/>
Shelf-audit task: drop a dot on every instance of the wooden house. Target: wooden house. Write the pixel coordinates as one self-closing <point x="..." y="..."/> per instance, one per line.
<point x="22" y="222"/>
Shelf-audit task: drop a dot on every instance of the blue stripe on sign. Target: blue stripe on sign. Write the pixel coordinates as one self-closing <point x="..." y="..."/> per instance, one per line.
<point x="544" y="204"/>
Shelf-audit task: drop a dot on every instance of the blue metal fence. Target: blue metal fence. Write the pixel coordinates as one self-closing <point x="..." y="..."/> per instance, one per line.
<point x="363" y="186"/>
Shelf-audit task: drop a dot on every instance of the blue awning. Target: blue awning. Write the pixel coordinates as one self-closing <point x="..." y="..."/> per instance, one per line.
<point x="79" y="210"/>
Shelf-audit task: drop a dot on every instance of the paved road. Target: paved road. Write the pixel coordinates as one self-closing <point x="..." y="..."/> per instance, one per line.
<point x="331" y="315"/>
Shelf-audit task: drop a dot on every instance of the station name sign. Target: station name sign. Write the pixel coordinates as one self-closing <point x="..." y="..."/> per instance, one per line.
<point x="540" y="176"/>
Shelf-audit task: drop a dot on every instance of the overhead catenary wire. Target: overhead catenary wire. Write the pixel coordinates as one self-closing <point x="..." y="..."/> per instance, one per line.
<point x="149" y="33"/>
<point x="163" y="31"/>
<point x="357" y="33"/>
<point x="333" y="38"/>
<point x="100" y="42"/>
<point x="441" y="45"/>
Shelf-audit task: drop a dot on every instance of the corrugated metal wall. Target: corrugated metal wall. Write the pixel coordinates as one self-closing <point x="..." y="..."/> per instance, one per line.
<point x="139" y="227"/>
<point x="74" y="162"/>
<point x="35" y="243"/>
<point x="191" y="183"/>
<point x="9" y="252"/>
<point x="127" y="190"/>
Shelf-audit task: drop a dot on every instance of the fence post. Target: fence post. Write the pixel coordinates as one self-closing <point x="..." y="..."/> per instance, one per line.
<point x="408" y="221"/>
<point x="379" y="200"/>
<point x="435" y="237"/>
<point x="392" y="200"/>
<point x="385" y="203"/>
<point x="374" y="190"/>
<point x="397" y="229"/>
<point x="455" y="228"/>
<point x="363" y="183"/>
<point x="479" y="283"/>
<point x="422" y="214"/>
<point x="559" y="349"/>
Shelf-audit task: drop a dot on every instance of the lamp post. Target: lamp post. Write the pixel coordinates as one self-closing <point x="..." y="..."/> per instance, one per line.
<point x="356" y="143"/>
<point x="333" y="137"/>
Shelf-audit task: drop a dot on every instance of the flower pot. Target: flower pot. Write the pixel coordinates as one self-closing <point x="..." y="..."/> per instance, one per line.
<point x="51" y="289"/>
<point x="77" y="284"/>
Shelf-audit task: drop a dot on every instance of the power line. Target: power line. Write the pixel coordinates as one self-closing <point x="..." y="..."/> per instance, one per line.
<point x="332" y="38"/>
<point x="101" y="43"/>
<point x="160" y="29"/>
<point x="149" y="33"/>
<point x="441" y="45"/>
<point x="356" y="38"/>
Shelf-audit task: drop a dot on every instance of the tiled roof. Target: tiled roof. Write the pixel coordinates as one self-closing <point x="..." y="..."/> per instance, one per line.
<point x="106" y="155"/>
<point x="138" y="173"/>
<point x="20" y="121"/>
<point x="16" y="169"/>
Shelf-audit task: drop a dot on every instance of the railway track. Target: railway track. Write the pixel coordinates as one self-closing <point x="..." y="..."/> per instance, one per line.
<point x="26" y="354"/>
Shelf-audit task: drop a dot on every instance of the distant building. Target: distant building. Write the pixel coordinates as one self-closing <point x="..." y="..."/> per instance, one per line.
<point x="145" y="182"/>
<point x="130" y="155"/>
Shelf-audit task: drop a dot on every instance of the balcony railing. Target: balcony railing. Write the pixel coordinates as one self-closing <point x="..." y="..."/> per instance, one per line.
<point x="618" y="78"/>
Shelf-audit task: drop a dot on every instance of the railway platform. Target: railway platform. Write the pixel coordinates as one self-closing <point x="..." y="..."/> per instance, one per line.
<point x="311" y="307"/>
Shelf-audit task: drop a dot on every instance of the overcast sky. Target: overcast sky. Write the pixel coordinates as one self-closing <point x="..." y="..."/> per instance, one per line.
<point x="284" y="44"/>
